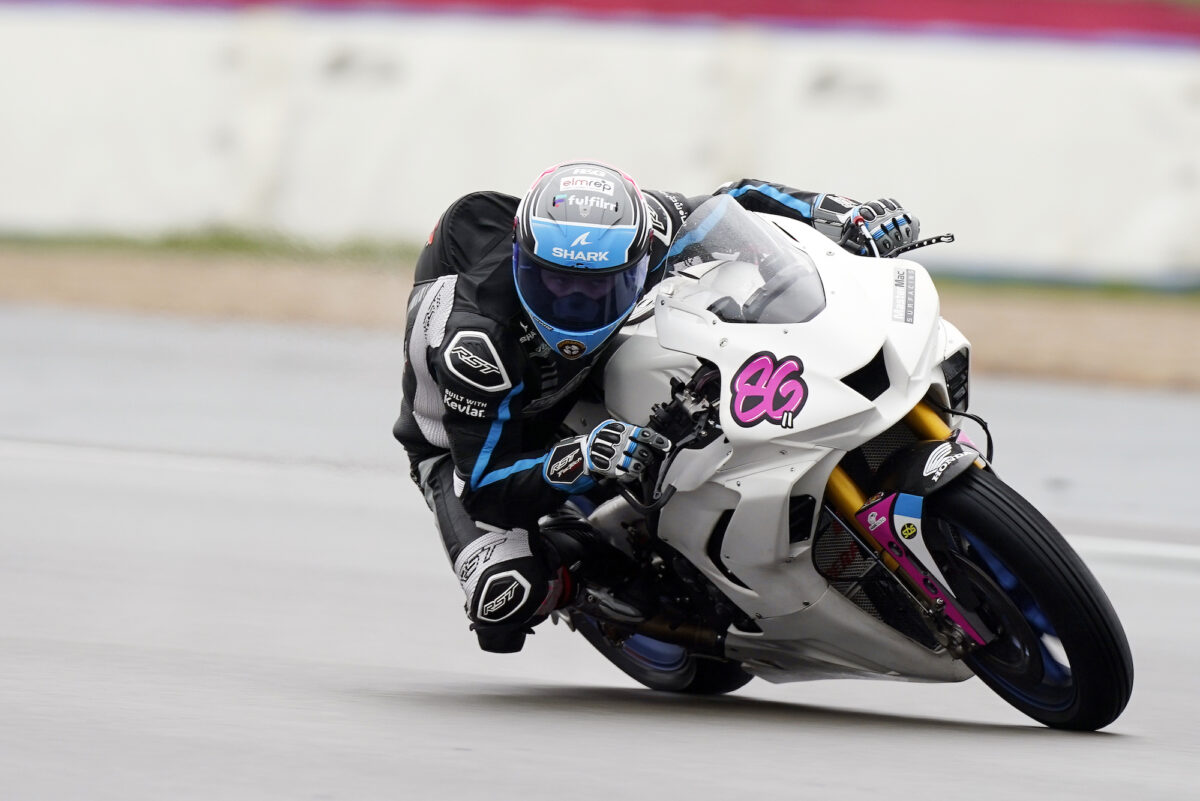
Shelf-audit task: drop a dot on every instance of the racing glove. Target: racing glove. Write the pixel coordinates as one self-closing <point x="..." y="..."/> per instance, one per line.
<point x="866" y="229"/>
<point x="612" y="450"/>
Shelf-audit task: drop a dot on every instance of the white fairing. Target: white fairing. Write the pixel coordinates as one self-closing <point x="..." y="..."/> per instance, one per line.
<point x="872" y="306"/>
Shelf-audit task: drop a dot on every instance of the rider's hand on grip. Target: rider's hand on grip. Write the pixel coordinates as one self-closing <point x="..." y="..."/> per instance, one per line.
<point x="867" y="229"/>
<point x="879" y="227"/>
<point x="622" y="450"/>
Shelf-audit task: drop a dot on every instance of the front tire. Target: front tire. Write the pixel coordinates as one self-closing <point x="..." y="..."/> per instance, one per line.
<point x="663" y="666"/>
<point x="1061" y="657"/>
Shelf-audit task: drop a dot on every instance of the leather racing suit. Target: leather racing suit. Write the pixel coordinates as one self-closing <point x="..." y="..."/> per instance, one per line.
<point x="484" y="397"/>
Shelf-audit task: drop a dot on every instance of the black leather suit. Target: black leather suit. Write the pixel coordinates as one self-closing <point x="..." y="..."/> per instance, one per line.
<point x="485" y="397"/>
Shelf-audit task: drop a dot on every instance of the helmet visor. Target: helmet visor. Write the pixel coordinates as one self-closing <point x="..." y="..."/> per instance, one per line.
<point x="578" y="301"/>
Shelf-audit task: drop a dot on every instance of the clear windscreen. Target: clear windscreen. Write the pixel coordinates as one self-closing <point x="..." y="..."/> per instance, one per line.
<point x="745" y="269"/>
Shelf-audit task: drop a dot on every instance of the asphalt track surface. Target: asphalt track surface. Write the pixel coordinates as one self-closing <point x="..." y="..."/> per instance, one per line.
<point x="216" y="581"/>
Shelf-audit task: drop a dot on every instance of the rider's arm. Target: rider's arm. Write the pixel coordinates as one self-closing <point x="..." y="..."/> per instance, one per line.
<point x="669" y="210"/>
<point x="498" y="475"/>
<point x="875" y="228"/>
<point x="764" y="196"/>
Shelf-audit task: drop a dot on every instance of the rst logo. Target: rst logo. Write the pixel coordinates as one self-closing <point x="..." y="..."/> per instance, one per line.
<point x="475" y="362"/>
<point x="565" y="465"/>
<point x="472" y="357"/>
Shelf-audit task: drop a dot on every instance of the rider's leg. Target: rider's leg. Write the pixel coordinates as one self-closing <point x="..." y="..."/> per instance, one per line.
<point x="511" y="580"/>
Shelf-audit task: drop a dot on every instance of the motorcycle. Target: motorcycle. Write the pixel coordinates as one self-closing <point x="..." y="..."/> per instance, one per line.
<point x="822" y="513"/>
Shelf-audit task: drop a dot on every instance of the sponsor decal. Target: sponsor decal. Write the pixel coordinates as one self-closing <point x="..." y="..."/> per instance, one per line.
<point x="908" y="531"/>
<point x="904" y="294"/>
<point x="558" y="200"/>
<point x="478" y="558"/>
<point x="528" y="333"/>
<point x="571" y="348"/>
<point x="582" y="239"/>
<point x="768" y="388"/>
<point x="586" y="184"/>
<point x="579" y="255"/>
<point x="472" y="357"/>
<point x="658" y="219"/>
<point x="502" y="595"/>
<point x="941" y="458"/>
<point x="464" y="405"/>
<point x="591" y="202"/>
<point x="434" y="305"/>
<point x="589" y="171"/>
<point x="565" y="464"/>
<point x="680" y="206"/>
<point x="837" y="204"/>
<point x="875" y="520"/>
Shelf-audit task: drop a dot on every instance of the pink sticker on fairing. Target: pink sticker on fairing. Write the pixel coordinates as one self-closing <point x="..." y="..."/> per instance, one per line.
<point x="768" y="388"/>
<point x="961" y="437"/>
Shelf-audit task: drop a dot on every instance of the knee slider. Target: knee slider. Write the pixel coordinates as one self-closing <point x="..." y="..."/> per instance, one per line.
<point x="505" y="582"/>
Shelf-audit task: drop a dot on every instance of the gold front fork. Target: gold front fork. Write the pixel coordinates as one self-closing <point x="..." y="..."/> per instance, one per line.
<point x="846" y="498"/>
<point x="927" y="423"/>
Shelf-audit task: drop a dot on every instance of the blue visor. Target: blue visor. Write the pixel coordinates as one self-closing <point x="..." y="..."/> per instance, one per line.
<point x="573" y="301"/>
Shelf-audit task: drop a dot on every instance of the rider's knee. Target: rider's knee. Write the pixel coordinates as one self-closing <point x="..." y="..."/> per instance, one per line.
<point x="510" y="587"/>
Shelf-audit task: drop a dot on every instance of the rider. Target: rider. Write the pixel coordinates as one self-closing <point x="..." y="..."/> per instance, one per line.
<point x="514" y="302"/>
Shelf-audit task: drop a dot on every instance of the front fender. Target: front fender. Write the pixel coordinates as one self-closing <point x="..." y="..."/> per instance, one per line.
<point x="924" y="467"/>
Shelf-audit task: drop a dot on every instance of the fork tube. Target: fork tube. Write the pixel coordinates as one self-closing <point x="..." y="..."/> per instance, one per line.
<point x="927" y="423"/>
<point x="846" y="498"/>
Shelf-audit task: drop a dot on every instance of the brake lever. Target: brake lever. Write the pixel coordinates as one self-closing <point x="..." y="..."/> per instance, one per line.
<point x="933" y="240"/>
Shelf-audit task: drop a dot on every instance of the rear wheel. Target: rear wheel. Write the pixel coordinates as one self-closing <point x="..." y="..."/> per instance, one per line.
<point x="663" y="666"/>
<point x="1061" y="656"/>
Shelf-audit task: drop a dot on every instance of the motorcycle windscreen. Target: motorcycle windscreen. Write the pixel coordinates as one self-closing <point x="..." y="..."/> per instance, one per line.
<point x="746" y="269"/>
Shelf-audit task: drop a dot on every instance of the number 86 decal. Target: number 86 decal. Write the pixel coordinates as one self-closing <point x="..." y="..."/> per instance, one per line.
<point x="768" y="388"/>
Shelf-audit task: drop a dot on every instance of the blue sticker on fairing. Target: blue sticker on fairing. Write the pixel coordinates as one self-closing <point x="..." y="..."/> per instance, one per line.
<point x="908" y="505"/>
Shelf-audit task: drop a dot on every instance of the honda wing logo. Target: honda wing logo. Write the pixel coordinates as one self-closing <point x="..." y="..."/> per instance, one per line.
<point x="941" y="458"/>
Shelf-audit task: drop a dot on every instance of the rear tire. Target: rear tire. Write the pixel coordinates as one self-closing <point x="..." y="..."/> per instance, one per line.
<point x="663" y="666"/>
<point x="1062" y="657"/>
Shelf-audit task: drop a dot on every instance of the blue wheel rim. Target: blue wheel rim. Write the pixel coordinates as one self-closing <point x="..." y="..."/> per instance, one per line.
<point x="1056" y="690"/>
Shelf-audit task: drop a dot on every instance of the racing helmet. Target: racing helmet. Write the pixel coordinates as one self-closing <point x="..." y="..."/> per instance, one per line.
<point x="581" y="246"/>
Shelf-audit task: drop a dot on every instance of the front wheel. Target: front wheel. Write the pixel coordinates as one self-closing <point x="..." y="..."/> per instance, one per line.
<point x="1061" y="656"/>
<point x="663" y="666"/>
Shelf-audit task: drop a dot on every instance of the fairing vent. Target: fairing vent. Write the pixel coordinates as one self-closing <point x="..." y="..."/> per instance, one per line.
<point x="800" y="517"/>
<point x="854" y="573"/>
<point x="870" y="381"/>
<point x="713" y="549"/>
<point x="957" y="379"/>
